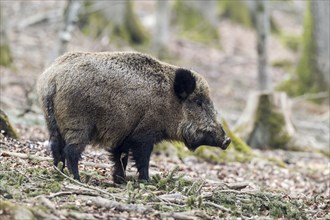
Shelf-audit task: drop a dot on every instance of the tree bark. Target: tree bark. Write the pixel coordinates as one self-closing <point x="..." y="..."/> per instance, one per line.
<point x="312" y="71"/>
<point x="6" y="128"/>
<point x="161" y="35"/>
<point x="266" y="121"/>
<point x="208" y="9"/>
<point x="5" y="55"/>
<point x="70" y="21"/>
<point x="118" y="17"/>
<point x="321" y="34"/>
<point x="264" y="78"/>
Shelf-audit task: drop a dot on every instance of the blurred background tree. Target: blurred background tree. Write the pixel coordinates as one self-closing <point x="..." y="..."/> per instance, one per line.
<point x="117" y="19"/>
<point x="312" y="72"/>
<point x="266" y="121"/>
<point x="5" y="55"/>
<point x="70" y="18"/>
<point x="213" y="37"/>
<point x="162" y="32"/>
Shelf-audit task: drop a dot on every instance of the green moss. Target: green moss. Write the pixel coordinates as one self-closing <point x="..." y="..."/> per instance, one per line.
<point x="12" y="211"/>
<point x="193" y="25"/>
<point x="271" y="123"/>
<point x="237" y="11"/>
<point x="277" y="162"/>
<point x="131" y="29"/>
<point x="170" y="149"/>
<point x="284" y="64"/>
<point x="96" y="24"/>
<point x="137" y="34"/>
<point x="307" y="77"/>
<point x="290" y="41"/>
<point x="236" y="142"/>
<point x="211" y="154"/>
<point x="237" y="151"/>
<point x="256" y="204"/>
<point x="5" y="57"/>
<point x="6" y="126"/>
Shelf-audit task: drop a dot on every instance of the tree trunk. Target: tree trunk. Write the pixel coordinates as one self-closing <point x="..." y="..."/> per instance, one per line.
<point x="70" y="20"/>
<point x="265" y="122"/>
<point x="161" y="35"/>
<point x="6" y="127"/>
<point x="208" y="9"/>
<point x="117" y="18"/>
<point x="5" y="56"/>
<point x="197" y="20"/>
<point x="312" y="72"/>
<point x="264" y="78"/>
<point x="321" y="35"/>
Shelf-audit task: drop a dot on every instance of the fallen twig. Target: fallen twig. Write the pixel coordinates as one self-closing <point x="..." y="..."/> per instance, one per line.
<point x="65" y="193"/>
<point x="217" y="206"/>
<point x="183" y="215"/>
<point x="310" y="96"/>
<point x="48" y="203"/>
<point x="106" y="203"/>
<point x="25" y="156"/>
<point x="40" y="158"/>
<point x="237" y="186"/>
<point x="173" y="199"/>
<point x="84" y="185"/>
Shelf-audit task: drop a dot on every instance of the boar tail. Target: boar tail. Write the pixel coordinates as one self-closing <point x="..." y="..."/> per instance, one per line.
<point x="56" y="141"/>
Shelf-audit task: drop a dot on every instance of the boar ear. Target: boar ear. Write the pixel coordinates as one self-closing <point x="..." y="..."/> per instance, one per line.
<point x="184" y="83"/>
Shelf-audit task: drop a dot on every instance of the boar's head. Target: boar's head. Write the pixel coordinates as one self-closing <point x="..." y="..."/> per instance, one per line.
<point x="199" y="125"/>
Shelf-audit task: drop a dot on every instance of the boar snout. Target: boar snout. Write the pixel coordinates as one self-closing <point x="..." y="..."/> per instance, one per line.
<point x="225" y="143"/>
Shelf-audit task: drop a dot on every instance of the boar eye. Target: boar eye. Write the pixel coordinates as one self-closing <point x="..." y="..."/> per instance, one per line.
<point x="199" y="103"/>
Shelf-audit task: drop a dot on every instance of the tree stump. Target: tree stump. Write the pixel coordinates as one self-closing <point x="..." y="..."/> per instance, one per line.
<point x="266" y="123"/>
<point x="5" y="126"/>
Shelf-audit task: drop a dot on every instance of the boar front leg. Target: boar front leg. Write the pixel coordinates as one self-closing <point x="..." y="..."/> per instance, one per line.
<point x="141" y="151"/>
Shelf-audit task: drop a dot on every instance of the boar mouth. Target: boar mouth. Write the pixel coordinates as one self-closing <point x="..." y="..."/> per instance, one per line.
<point x="209" y="141"/>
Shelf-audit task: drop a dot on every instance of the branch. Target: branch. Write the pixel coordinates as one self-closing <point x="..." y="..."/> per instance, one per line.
<point x="84" y="185"/>
<point x="217" y="206"/>
<point x="40" y="158"/>
<point x="106" y="203"/>
<point x="310" y="96"/>
<point x="189" y="215"/>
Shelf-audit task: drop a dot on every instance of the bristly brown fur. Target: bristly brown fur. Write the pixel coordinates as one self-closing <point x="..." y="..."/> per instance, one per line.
<point x="124" y="101"/>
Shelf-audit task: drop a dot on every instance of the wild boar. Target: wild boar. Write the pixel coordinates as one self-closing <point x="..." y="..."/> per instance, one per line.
<point x="124" y="102"/>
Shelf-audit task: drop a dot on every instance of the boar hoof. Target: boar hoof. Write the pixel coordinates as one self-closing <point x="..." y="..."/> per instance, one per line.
<point x="119" y="179"/>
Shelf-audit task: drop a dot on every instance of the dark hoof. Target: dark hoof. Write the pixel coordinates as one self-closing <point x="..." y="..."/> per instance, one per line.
<point x="119" y="179"/>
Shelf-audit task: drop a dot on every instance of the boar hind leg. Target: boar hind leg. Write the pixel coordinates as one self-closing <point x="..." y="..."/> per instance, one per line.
<point x="73" y="154"/>
<point x="57" y="145"/>
<point x="120" y="158"/>
<point x="141" y="155"/>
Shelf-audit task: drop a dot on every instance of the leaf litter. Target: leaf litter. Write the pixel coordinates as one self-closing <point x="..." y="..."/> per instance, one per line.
<point x="179" y="188"/>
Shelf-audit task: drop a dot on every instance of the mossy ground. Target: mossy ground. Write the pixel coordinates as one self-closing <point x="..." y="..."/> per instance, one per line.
<point x="184" y="185"/>
<point x="157" y="194"/>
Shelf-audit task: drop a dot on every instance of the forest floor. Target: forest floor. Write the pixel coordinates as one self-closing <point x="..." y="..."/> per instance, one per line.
<point x="271" y="184"/>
